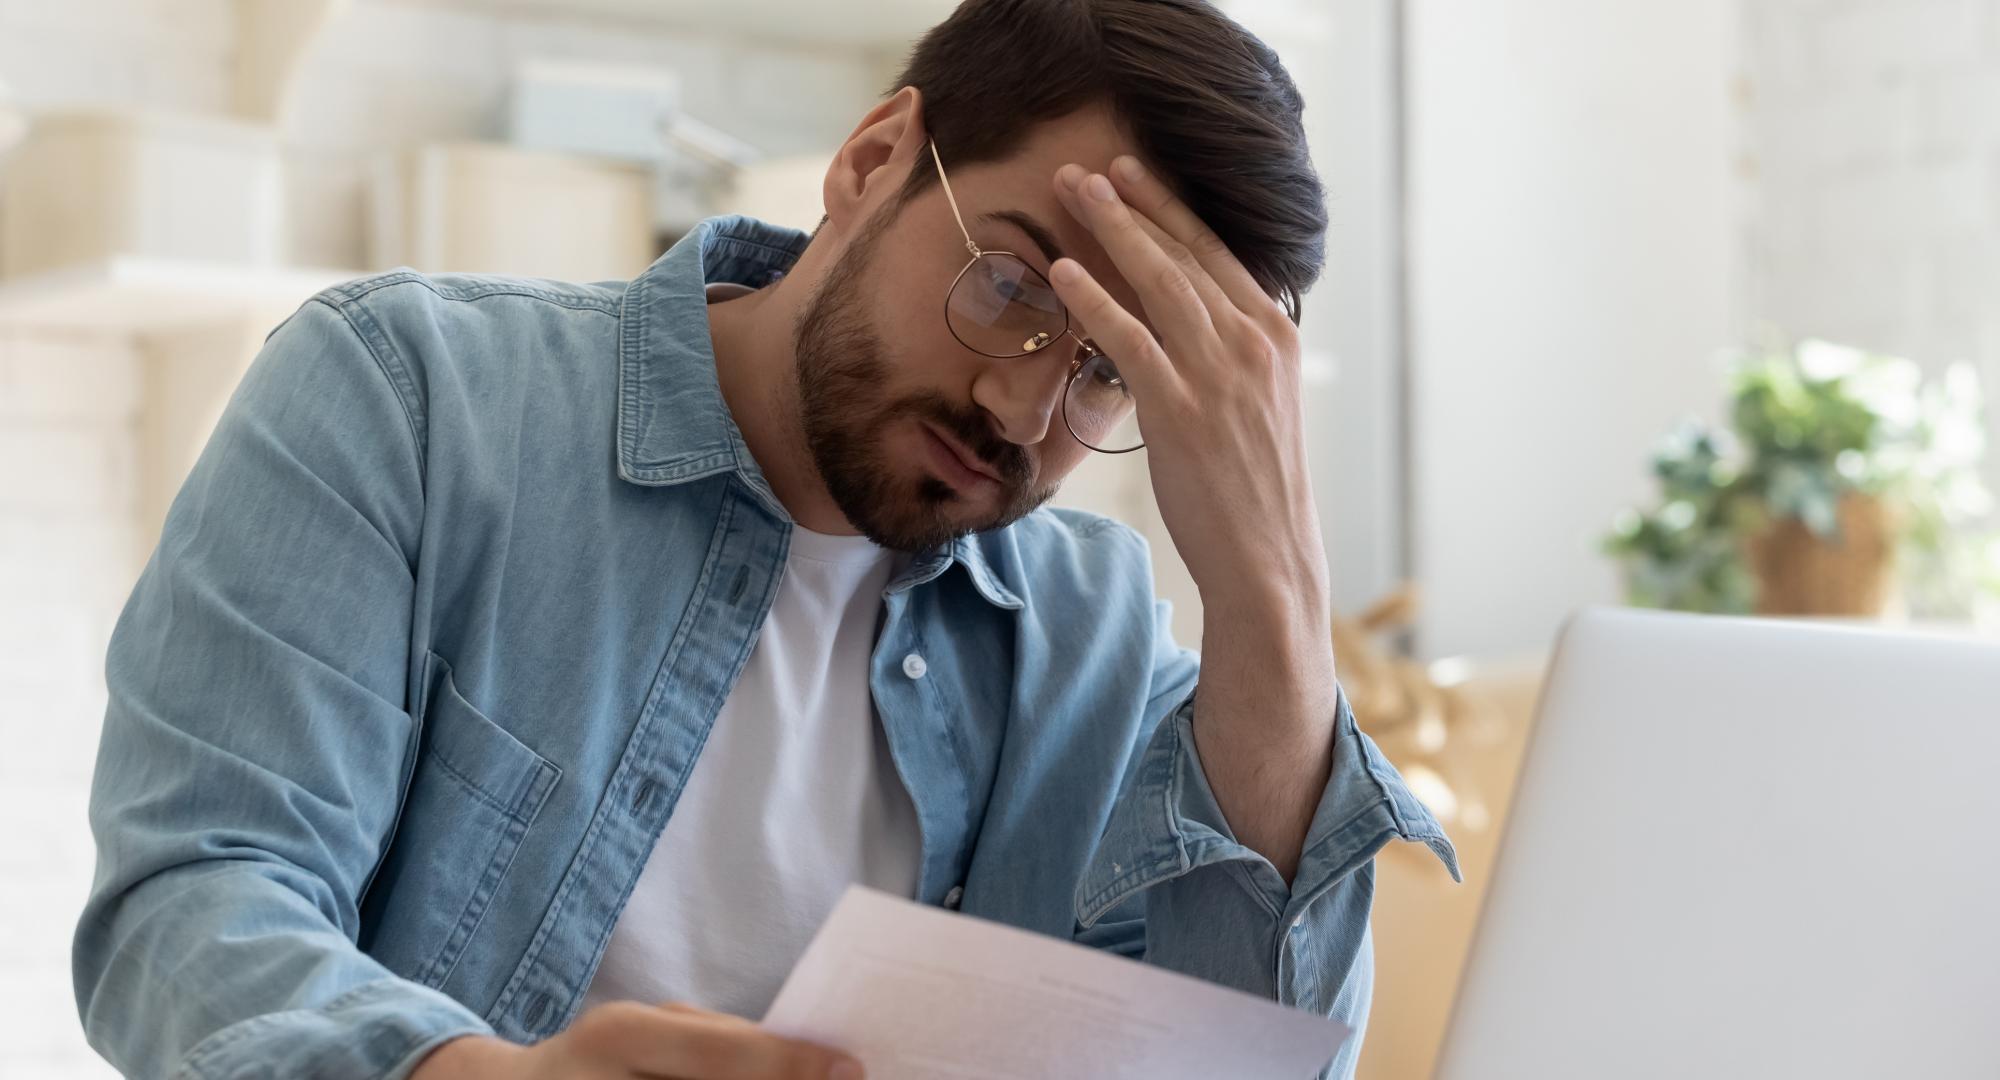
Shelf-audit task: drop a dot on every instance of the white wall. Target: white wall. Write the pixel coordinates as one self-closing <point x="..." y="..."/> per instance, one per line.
<point x="1875" y="126"/>
<point x="170" y="54"/>
<point x="69" y="550"/>
<point x="1573" y="269"/>
<point x="1342" y="54"/>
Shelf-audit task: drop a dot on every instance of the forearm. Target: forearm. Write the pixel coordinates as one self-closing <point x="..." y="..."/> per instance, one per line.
<point x="225" y="969"/>
<point x="1264" y="718"/>
<point x="258" y="727"/>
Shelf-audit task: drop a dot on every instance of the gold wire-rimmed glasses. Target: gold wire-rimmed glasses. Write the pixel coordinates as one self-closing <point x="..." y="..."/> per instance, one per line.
<point x="999" y="306"/>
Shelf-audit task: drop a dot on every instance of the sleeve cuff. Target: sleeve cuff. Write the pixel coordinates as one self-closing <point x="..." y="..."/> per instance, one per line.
<point x="1168" y="823"/>
<point x="380" y="1030"/>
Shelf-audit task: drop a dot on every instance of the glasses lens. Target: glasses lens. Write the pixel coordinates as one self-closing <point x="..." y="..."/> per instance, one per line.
<point x="1100" y="410"/>
<point x="1001" y="307"/>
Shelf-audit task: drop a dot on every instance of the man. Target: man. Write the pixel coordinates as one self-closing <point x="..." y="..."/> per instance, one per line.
<point x="519" y="655"/>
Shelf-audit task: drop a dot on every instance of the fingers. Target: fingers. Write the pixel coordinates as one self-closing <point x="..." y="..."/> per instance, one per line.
<point x="686" y="1042"/>
<point x="1166" y="290"/>
<point x="1213" y="298"/>
<point x="1130" y="345"/>
<point x="1148" y="194"/>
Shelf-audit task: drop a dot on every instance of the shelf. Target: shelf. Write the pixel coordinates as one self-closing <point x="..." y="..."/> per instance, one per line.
<point x="138" y="294"/>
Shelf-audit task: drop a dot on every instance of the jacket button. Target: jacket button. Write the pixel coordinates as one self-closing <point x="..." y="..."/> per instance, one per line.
<point x="914" y="666"/>
<point x="953" y="896"/>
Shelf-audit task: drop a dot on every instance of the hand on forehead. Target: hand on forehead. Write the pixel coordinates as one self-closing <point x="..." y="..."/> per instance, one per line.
<point x="1006" y="200"/>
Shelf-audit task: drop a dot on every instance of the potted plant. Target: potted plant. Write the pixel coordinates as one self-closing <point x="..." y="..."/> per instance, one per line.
<point x="1846" y="484"/>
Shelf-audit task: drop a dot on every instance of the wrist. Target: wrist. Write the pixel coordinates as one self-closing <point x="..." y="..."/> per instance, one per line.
<point x="468" y="1057"/>
<point x="1280" y="628"/>
<point x="1272" y="607"/>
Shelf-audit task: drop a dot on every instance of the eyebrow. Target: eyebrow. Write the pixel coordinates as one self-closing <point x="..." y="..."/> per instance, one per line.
<point x="1042" y="237"/>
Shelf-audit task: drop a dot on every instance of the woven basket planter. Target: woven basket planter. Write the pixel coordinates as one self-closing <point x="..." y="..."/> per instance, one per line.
<point x="1851" y="572"/>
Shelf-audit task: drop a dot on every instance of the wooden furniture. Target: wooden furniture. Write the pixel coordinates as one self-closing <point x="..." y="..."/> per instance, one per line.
<point x="1424" y="921"/>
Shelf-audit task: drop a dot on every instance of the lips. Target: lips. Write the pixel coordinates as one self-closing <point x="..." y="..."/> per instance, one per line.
<point x="960" y="466"/>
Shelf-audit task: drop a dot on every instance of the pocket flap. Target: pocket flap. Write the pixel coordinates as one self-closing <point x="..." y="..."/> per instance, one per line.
<point x="481" y="753"/>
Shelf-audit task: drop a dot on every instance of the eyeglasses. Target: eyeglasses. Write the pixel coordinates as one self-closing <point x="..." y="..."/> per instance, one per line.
<point x="999" y="306"/>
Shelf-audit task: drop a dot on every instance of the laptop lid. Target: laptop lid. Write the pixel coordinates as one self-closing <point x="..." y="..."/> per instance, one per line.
<point x="1746" y="848"/>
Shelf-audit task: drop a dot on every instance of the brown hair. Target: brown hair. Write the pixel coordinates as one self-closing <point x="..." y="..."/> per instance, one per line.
<point x="1208" y="104"/>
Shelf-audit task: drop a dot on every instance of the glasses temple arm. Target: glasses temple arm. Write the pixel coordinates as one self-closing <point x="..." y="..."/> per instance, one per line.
<point x="967" y="233"/>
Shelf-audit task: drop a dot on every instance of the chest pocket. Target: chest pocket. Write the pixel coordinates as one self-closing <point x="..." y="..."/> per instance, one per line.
<point x="473" y="793"/>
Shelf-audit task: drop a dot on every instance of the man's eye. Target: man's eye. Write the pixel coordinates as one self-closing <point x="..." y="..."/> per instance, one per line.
<point x="1007" y="288"/>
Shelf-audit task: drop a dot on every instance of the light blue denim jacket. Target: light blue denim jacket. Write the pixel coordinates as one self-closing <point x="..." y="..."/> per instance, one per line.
<point x="438" y="625"/>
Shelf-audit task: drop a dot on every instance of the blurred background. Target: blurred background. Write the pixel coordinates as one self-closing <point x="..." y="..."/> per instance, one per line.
<point x="1685" y="304"/>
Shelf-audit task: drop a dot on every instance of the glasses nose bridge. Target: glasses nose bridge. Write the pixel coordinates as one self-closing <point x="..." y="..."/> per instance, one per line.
<point x="1085" y="350"/>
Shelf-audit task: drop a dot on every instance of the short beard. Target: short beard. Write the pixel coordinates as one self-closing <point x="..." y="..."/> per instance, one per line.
<point x="840" y="375"/>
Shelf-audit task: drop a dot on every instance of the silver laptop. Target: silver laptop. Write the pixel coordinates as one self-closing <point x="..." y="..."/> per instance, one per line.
<point x="1746" y="848"/>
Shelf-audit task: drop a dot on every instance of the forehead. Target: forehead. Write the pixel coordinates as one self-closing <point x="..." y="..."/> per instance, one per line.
<point x="1090" y="137"/>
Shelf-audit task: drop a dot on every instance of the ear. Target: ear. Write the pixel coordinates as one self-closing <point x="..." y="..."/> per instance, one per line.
<point x="871" y="164"/>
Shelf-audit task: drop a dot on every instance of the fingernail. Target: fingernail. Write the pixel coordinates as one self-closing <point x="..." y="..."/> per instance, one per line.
<point x="1098" y="187"/>
<point x="844" y="1070"/>
<point x="1068" y="174"/>
<point x="1066" y="271"/>
<point x="1129" y="167"/>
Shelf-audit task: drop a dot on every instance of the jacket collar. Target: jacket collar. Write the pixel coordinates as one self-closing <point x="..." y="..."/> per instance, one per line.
<point x="673" y="425"/>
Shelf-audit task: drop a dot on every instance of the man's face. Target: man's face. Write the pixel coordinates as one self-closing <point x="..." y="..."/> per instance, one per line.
<point x="919" y="438"/>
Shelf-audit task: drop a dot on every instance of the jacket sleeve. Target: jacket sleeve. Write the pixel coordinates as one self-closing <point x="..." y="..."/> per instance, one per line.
<point x="257" y="738"/>
<point x="1208" y="906"/>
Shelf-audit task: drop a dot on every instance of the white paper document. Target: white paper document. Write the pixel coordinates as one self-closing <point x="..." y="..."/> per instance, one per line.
<point x="919" y="993"/>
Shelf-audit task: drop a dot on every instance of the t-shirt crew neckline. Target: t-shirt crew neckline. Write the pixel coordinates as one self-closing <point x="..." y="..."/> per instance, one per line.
<point x="835" y="550"/>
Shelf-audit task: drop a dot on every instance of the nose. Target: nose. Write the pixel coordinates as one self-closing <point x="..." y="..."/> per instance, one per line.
<point x="1023" y="393"/>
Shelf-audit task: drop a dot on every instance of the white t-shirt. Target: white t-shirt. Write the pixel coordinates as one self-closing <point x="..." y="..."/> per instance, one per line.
<point x="794" y="797"/>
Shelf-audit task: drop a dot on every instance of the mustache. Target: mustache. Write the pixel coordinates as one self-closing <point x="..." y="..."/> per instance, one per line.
<point x="1009" y="460"/>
